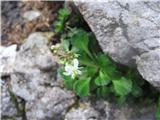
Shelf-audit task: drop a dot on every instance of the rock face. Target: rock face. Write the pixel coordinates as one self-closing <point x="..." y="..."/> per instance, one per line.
<point x="8" y="108"/>
<point x="34" y="79"/>
<point x="34" y="68"/>
<point x="52" y="106"/>
<point x="103" y="110"/>
<point x="7" y="58"/>
<point x="126" y="31"/>
<point x="84" y="112"/>
<point x="149" y="66"/>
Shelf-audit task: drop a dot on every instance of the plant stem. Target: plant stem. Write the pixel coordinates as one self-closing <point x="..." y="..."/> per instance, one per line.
<point x="88" y="64"/>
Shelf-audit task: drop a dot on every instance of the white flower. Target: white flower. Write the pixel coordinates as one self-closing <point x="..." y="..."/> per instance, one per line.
<point x="72" y="69"/>
<point x="56" y="46"/>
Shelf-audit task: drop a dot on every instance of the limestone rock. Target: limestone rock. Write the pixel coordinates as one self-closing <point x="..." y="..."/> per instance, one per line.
<point x="109" y="111"/>
<point x="149" y="66"/>
<point x="52" y="106"/>
<point x="31" y="15"/>
<point x="126" y="30"/>
<point x="34" y="68"/>
<point x="34" y="79"/>
<point x="83" y="113"/>
<point x="7" y="58"/>
<point x="8" y="107"/>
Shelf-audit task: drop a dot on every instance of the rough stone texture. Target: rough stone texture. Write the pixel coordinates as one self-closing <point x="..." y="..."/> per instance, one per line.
<point x="125" y="30"/>
<point x="7" y="58"/>
<point x="83" y="113"/>
<point x="52" y="106"/>
<point x="34" y="68"/>
<point x="31" y="15"/>
<point x="35" y="80"/>
<point x="103" y="110"/>
<point x="133" y="112"/>
<point x="149" y="66"/>
<point x="8" y="108"/>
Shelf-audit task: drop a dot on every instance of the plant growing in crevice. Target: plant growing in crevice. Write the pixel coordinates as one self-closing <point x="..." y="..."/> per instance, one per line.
<point x="89" y="72"/>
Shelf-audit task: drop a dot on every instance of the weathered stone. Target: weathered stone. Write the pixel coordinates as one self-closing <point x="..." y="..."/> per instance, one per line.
<point x="85" y="112"/>
<point x="34" y="79"/>
<point x="8" y="107"/>
<point x="104" y="110"/>
<point x="34" y="68"/>
<point x="125" y="30"/>
<point x="7" y="58"/>
<point x="149" y="66"/>
<point x="52" y="106"/>
<point x="31" y="15"/>
<point x="109" y="111"/>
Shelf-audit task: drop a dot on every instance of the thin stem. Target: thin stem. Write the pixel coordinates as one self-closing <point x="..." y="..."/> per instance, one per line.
<point x="88" y="64"/>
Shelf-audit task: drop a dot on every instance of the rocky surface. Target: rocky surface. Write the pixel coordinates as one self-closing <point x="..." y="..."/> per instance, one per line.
<point x="52" y="106"/>
<point x="34" y="79"/>
<point x="103" y="110"/>
<point x="7" y="58"/>
<point x="8" y="108"/>
<point x="126" y="31"/>
<point x="31" y="15"/>
<point x="34" y="68"/>
<point x="120" y="29"/>
<point x="87" y="113"/>
<point x="11" y="106"/>
<point x="16" y="25"/>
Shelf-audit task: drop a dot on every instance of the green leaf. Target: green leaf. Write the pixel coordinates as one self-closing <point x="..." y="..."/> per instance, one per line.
<point x="136" y="90"/>
<point x="68" y="81"/>
<point x="65" y="44"/>
<point x="91" y="71"/>
<point x="82" y="87"/>
<point x="103" y="92"/>
<point x="121" y="100"/>
<point x="103" y="60"/>
<point x="58" y="26"/>
<point x="104" y="76"/>
<point x="80" y="40"/>
<point x="158" y="110"/>
<point x="64" y="12"/>
<point x="102" y="79"/>
<point x="122" y="86"/>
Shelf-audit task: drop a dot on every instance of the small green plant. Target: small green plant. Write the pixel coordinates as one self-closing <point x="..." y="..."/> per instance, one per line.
<point x="158" y="110"/>
<point x="62" y="17"/>
<point x="88" y="71"/>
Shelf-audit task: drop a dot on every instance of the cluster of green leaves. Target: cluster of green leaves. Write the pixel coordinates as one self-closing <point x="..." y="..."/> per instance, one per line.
<point x="158" y="110"/>
<point x="61" y="20"/>
<point x="101" y="77"/>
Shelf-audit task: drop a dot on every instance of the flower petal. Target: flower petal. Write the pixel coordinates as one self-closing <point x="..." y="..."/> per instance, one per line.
<point x="68" y="69"/>
<point x="75" y="63"/>
<point x="66" y="73"/>
<point x="73" y="76"/>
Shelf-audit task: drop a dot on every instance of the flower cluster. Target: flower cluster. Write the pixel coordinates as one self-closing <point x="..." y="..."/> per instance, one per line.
<point x="72" y="69"/>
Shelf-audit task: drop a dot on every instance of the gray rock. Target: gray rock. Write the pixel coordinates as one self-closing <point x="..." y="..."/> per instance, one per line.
<point x="31" y="15"/>
<point x="7" y="58"/>
<point x="86" y="112"/>
<point x="8" y="107"/>
<point x="34" y="68"/>
<point x="125" y="30"/>
<point x="104" y="110"/>
<point x="52" y="106"/>
<point x="34" y="79"/>
<point x="149" y="66"/>
<point x="109" y="111"/>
